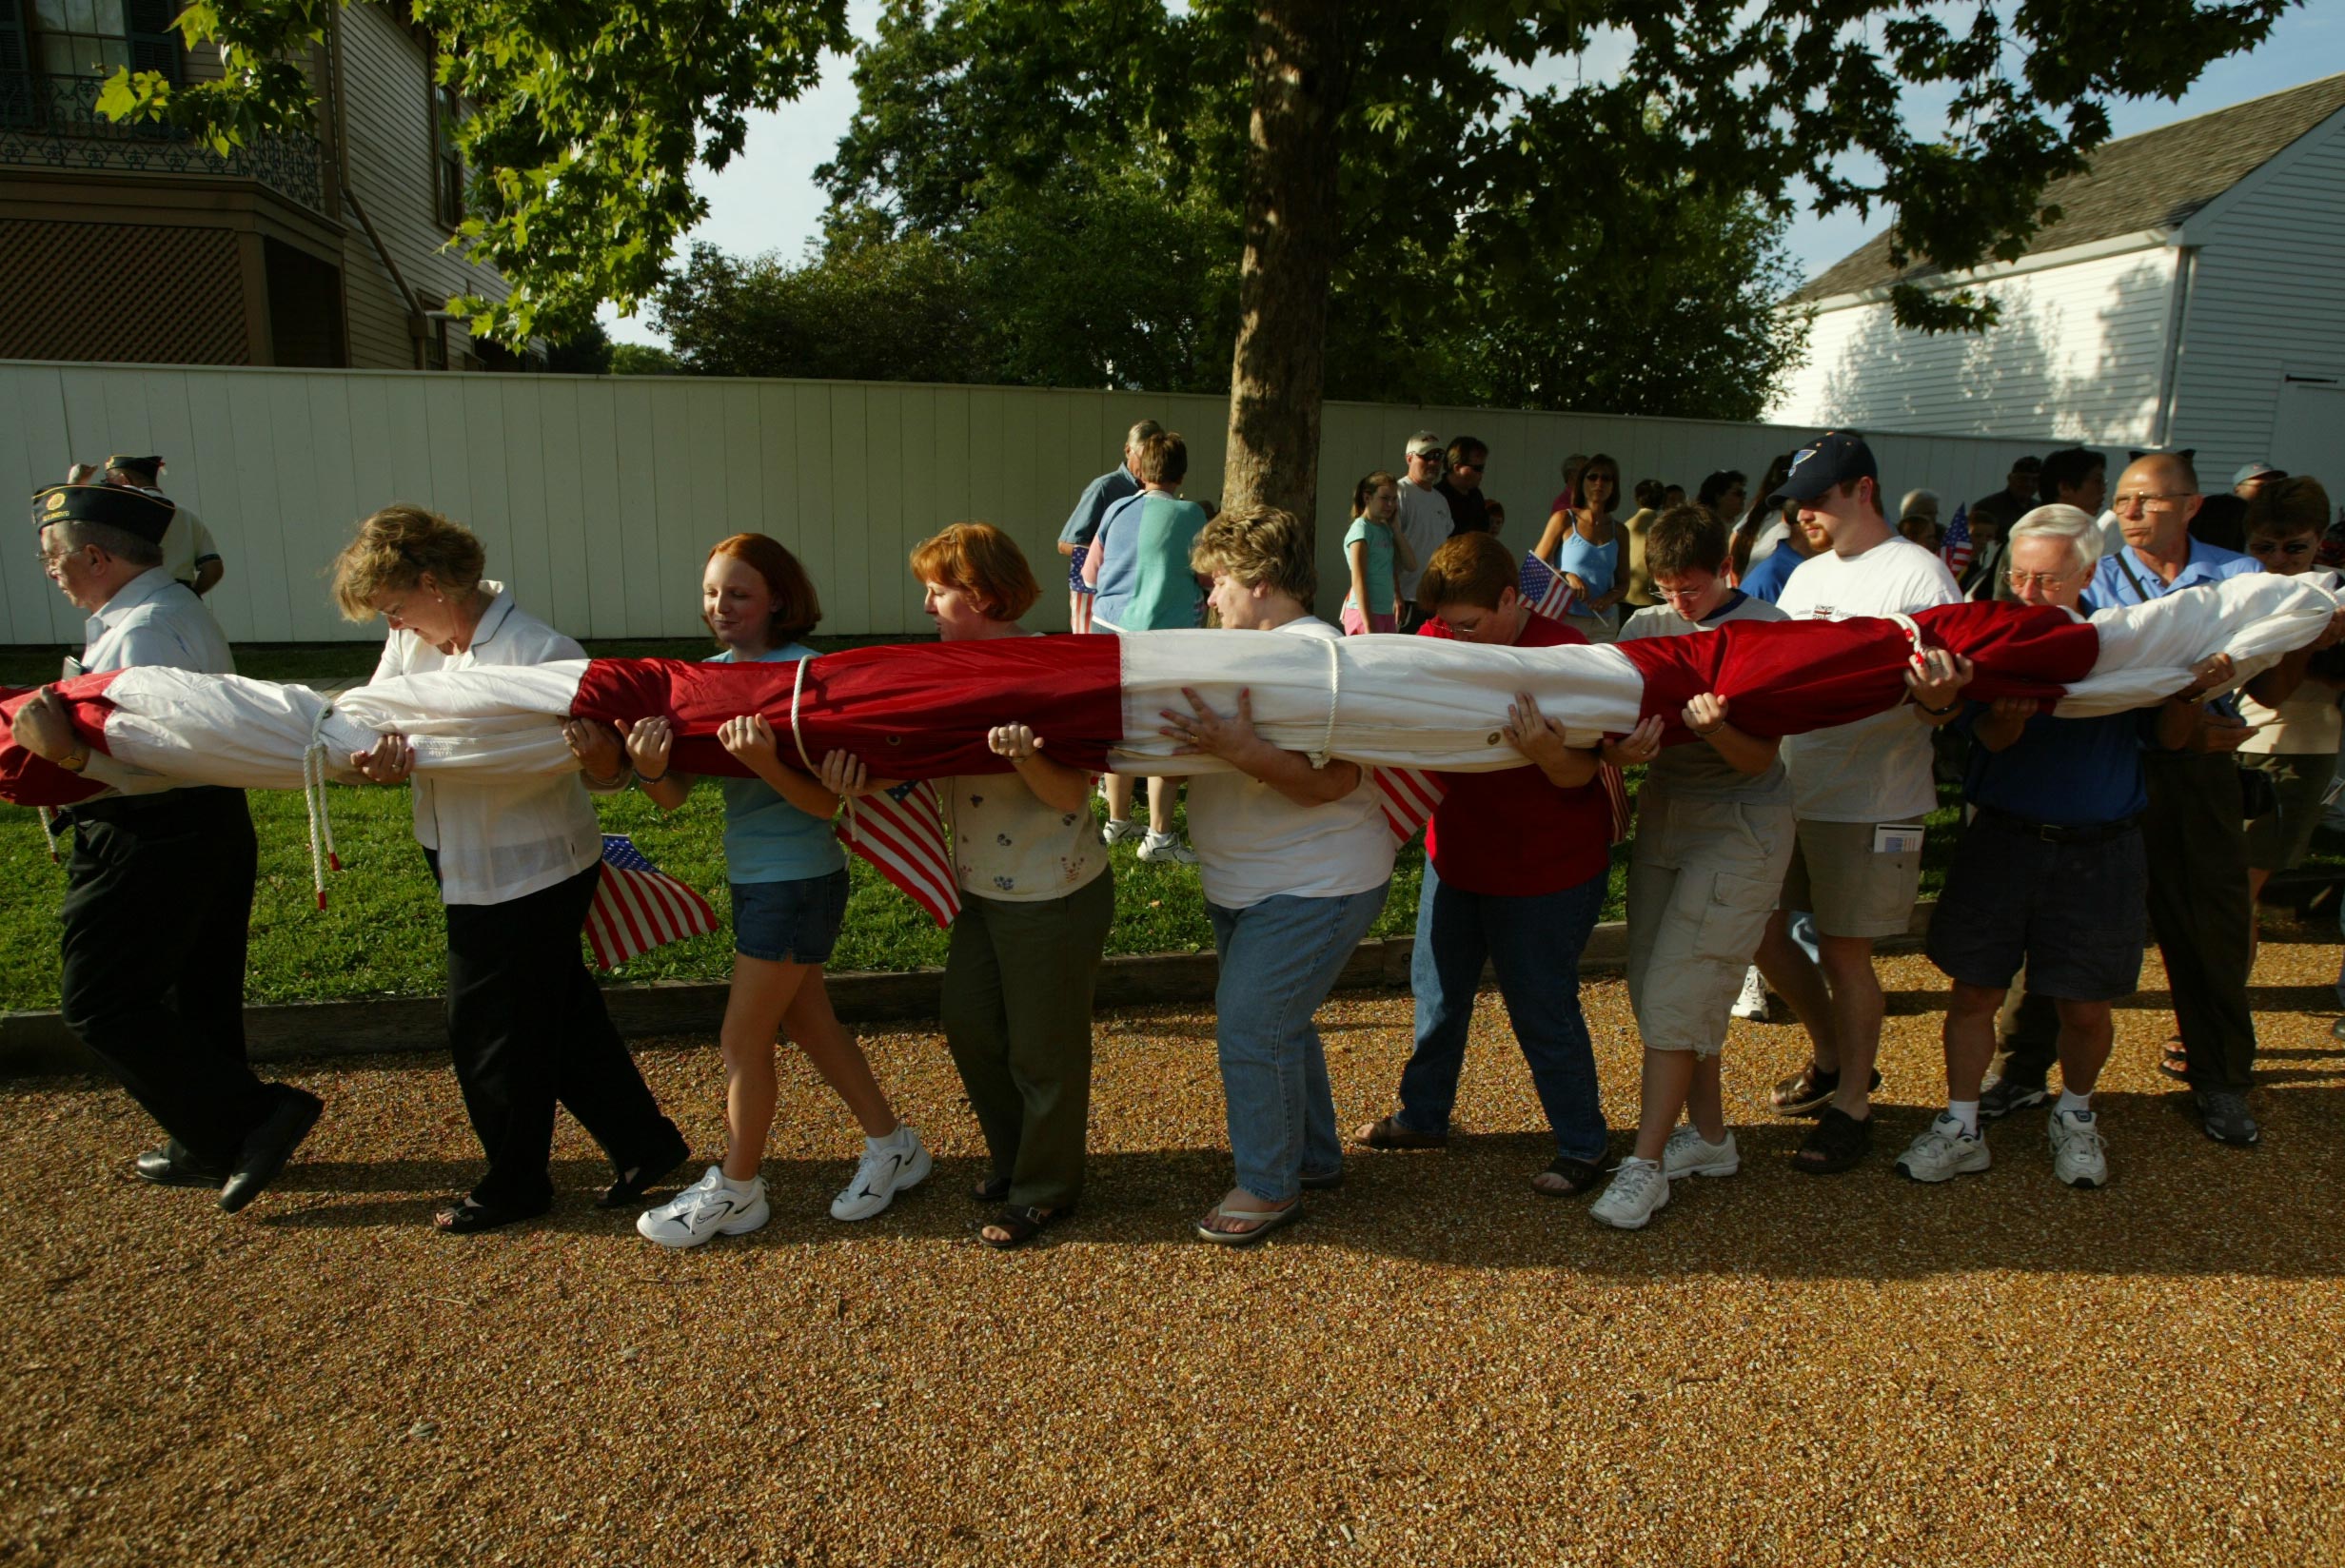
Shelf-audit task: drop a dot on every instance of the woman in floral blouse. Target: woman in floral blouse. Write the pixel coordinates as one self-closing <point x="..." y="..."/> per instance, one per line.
<point x="1037" y="897"/>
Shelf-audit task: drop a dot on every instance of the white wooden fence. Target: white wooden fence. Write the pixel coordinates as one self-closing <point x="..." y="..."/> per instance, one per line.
<point x="599" y="496"/>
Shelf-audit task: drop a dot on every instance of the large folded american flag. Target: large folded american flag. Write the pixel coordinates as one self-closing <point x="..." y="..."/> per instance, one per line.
<point x="638" y="907"/>
<point x="1954" y="549"/>
<point x="1543" y="589"/>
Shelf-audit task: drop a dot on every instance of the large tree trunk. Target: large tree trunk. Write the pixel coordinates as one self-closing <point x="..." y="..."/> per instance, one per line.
<point x="1291" y="231"/>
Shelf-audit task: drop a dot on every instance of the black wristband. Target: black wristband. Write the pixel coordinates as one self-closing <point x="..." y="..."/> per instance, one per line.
<point x="1937" y="713"/>
<point x="646" y="779"/>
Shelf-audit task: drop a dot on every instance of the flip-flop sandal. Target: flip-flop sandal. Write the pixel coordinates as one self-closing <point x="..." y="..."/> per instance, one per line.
<point x="1839" y="1144"/>
<point x="1321" y="1180"/>
<point x="993" y="1189"/>
<point x="1580" y="1177"/>
<point x="1020" y="1223"/>
<point x="2174" y="1059"/>
<point x="1271" y="1220"/>
<point x="1388" y="1133"/>
<point x="1808" y="1090"/>
<point x="465" y="1218"/>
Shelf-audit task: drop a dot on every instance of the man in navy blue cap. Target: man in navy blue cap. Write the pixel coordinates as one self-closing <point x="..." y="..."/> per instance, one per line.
<point x="159" y="886"/>
<point x="1858" y="792"/>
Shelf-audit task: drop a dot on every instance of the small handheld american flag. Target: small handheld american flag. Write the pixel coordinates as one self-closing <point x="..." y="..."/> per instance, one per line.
<point x="1409" y="795"/>
<point x="638" y="907"/>
<point x="1956" y="548"/>
<point x="900" y="831"/>
<point x="1543" y="589"/>
<point x="1079" y="594"/>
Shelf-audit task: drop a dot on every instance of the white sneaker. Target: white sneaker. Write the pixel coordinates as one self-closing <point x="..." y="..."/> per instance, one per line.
<point x="1688" y="1154"/>
<point x="1120" y="828"/>
<point x="887" y="1168"/>
<point x="1944" y="1151"/>
<point x="1637" y="1190"/>
<point x="2079" y="1157"/>
<point x="1753" y="1002"/>
<point x="708" y="1207"/>
<point x="1165" y="850"/>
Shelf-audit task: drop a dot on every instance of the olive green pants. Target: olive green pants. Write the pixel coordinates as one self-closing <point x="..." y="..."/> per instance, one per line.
<point x="1016" y="1007"/>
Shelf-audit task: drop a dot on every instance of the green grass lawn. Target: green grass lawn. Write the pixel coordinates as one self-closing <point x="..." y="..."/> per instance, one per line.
<point x="379" y="933"/>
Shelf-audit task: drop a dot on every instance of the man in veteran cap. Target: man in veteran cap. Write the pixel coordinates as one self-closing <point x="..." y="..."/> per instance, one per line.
<point x="159" y="886"/>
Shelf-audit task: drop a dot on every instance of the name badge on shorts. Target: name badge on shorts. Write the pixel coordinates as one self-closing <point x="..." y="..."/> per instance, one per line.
<point x="1898" y="838"/>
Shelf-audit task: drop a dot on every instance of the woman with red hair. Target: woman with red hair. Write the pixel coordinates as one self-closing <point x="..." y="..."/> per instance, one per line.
<point x="789" y="882"/>
<point x="1036" y="900"/>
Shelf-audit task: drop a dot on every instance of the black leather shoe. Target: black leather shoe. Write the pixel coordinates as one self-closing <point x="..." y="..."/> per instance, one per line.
<point x="171" y="1164"/>
<point x="270" y="1145"/>
<point x="654" y="1169"/>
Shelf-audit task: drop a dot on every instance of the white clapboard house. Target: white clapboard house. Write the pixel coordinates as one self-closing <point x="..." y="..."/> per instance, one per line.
<point x="2190" y="294"/>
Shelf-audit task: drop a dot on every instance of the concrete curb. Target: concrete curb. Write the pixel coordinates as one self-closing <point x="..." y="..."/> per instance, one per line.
<point x="33" y="1043"/>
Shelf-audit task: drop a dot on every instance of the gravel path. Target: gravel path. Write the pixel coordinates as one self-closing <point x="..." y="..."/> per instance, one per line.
<point x="1437" y="1366"/>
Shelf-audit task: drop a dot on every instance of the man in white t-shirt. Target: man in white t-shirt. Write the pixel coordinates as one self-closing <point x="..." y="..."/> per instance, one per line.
<point x="1860" y="791"/>
<point x="1425" y="518"/>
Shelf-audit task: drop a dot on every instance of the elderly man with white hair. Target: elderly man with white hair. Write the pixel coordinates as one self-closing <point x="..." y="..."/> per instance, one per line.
<point x="2050" y="873"/>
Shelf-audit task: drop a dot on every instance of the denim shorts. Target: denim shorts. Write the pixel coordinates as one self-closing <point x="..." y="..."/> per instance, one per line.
<point x="789" y="922"/>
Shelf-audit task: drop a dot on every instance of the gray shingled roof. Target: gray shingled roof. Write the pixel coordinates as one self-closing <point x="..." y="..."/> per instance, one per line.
<point x="2151" y="181"/>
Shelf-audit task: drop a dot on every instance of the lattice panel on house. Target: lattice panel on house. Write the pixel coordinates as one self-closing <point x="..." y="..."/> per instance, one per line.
<point x="138" y="292"/>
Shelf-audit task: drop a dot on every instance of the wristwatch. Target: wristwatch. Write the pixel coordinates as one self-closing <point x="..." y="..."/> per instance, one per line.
<point x="75" y="760"/>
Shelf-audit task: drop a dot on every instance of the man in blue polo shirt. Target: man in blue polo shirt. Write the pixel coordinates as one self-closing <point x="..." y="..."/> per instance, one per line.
<point x="2051" y="872"/>
<point x="2199" y="899"/>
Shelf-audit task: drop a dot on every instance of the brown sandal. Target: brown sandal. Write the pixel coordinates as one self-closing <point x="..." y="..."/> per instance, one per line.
<point x="1808" y="1090"/>
<point x="2174" y="1060"/>
<point x="1840" y="1142"/>
<point x="1388" y="1133"/>
<point x="1580" y="1176"/>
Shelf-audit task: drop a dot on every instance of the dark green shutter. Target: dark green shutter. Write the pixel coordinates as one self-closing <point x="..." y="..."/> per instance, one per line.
<point x="15" y="66"/>
<point x="154" y="43"/>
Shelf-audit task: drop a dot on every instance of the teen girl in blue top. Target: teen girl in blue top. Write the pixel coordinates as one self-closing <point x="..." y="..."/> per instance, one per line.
<point x="789" y="881"/>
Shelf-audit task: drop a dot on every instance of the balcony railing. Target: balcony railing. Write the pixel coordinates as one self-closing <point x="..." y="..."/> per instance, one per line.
<point x="53" y="122"/>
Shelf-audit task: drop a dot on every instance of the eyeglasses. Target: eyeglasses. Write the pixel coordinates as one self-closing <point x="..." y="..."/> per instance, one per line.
<point x="1462" y="467"/>
<point x="1434" y="456"/>
<point x="2021" y="580"/>
<point x="2293" y="547"/>
<point x="2143" y="502"/>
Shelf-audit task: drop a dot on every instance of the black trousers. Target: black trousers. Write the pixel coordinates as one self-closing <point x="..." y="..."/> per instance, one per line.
<point x="158" y="901"/>
<point x="2198" y="909"/>
<point x="530" y="1028"/>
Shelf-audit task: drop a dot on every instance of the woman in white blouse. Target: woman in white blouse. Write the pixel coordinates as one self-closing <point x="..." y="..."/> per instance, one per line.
<point x="1295" y="859"/>
<point x="516" y="862"/>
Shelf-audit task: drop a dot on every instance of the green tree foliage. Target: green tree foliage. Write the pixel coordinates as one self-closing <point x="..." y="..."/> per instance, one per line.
<point x="1106" y="230"/>
<point x="585" y="122"/>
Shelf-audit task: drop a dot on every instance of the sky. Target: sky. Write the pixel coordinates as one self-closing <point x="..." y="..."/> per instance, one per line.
<point x="767" y="199"/>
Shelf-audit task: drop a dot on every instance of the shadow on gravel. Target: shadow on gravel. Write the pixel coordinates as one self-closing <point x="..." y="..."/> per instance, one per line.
<point x="1472" y="1206"/>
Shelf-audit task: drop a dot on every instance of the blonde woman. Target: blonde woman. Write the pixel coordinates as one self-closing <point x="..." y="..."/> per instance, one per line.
<point x="516" y="861"/>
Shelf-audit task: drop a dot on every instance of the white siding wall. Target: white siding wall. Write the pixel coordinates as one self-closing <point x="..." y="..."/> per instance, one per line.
<point x="387" y="109"/>
<point x="600" y="496"/>
<point x="2268" y="300"/>
<point x="2077" y="353"/>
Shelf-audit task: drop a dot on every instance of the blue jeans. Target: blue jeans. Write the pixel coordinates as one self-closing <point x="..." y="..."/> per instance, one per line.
<point x="1279" y="959"/>
<point x="1534" y="944"/>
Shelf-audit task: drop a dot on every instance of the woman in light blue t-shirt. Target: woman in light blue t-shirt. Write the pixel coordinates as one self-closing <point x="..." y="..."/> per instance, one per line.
<point x="789" y="881"/>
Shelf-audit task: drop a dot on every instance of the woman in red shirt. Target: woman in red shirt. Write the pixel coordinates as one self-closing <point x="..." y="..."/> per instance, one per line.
<point x="1516" y="866"/>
